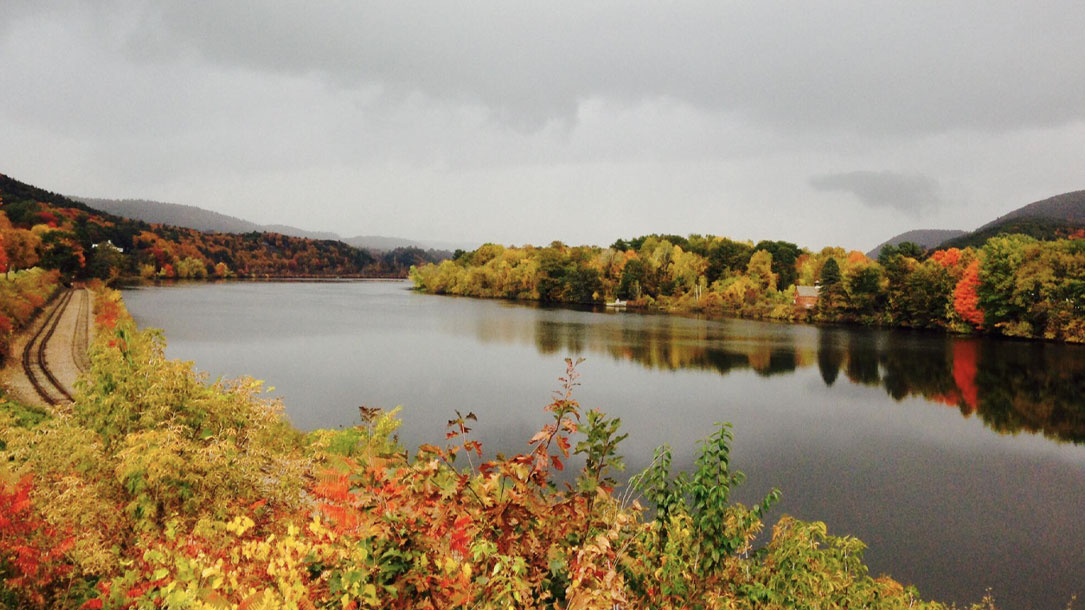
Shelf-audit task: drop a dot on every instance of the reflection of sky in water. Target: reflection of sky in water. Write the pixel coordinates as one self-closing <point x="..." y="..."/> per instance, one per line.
<point x="929" y="489"/>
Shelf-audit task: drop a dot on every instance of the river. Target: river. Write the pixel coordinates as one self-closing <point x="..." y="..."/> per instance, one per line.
<point x="960" y="462"/>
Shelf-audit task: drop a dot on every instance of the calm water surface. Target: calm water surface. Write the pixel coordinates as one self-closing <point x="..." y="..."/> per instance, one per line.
<point x="960" y="462"/>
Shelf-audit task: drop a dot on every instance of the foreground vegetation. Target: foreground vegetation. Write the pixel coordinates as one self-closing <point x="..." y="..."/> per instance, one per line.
<point x="1014" y="285"/>
<point x="159" y="489"/>
<point x="22" y="295"/>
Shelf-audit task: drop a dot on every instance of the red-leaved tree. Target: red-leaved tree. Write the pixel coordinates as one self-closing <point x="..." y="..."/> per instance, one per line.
<point x="33" y="565"/>
<point x="966" y="298"/>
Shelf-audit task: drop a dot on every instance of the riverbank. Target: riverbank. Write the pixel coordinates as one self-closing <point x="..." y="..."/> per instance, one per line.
<point x="162" y="488"/>
<point x="1013" y="286"/>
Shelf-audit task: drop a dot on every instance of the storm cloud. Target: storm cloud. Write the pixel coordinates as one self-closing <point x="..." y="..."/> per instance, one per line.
<point x="524" y="121"/>
<point x="884" y="66"/>
<point x="911" y="194"/>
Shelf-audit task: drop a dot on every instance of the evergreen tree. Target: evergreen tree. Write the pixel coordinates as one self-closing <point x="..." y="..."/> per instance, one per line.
<point x="832" y="287"/>
<point x="830" y="273"/>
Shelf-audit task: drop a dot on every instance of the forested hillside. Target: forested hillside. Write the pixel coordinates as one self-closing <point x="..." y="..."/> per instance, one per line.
<point x="1052" y="218"/>
<point x="1067" y="207"/>
<point x="1013" y="285"/>
<point x="1044" y="229"/>
<point x="192" y="217"/>
<point x="928" y="238"/>
<point x="59" y="233"/>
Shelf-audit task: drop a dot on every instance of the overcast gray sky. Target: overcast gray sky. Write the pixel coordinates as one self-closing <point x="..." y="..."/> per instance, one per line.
<point x="822" y="123"/>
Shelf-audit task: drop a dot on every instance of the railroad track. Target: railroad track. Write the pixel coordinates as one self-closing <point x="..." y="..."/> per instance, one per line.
<point x="81" y="334"/>
<point x="34" y="361"/>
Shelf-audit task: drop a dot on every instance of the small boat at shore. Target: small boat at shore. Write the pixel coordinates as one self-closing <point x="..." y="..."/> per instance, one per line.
<point x="618" y="303"/>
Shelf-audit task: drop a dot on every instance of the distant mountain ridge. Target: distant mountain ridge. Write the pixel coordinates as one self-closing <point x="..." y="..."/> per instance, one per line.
<point x="928" y="238"/>
<point x="192" y="217"/>
<point x="382" y="243"/>
<point x="1045" y="219"/>
<point x="200" y="219"/>
<point x="1068" y="207"/>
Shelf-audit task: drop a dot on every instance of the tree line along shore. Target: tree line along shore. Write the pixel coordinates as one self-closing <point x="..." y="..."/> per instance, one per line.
<point x="1013" y="285"/>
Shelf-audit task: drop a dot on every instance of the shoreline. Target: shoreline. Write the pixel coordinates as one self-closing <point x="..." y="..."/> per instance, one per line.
<point x="712" y="315"/>
<point x="135" y="282"/>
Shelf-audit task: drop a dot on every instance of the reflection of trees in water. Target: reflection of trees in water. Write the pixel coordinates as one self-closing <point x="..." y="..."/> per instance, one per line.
<point x="1011" y="386"/>
<point x="1032" y="388"/>
<point x="916" y="367"/>
<point x="671" y="347"/>
<point x="552" y="337"/>
<point x="862" y="362"/>
<point x="830" y="354"/>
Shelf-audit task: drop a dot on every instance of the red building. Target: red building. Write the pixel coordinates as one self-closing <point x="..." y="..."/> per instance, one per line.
<point x="806" y="297"/>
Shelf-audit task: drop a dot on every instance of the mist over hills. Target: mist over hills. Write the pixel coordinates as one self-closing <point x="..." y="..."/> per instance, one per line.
<point x="382" y="243"/>
<point x="193" y="217"/>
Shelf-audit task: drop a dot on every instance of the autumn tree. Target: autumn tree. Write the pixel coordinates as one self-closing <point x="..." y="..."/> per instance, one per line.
<point x="106" y="262"/>
<point x="686" y="268"/>
<point x="3" y="256"/>
<point x="759" y="269"/>
<point x="907" y="249"/>
<point x="20" y="247"/>
<point x="966" y="300"/>
<point x="863" y="285"/>
<point x="923" y="297"/>
<point x="191" y="268"/>
<point x="1001" y="257"/>
<point x="724" y="257"/>
<point x="632" y="281"/>
<point x="784" y="255"/>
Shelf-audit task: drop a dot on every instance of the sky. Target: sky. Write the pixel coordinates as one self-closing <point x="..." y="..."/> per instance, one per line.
<point x="820" y="123"/>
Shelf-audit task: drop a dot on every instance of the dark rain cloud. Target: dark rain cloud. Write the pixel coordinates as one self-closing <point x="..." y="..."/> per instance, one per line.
<point x="878" y="67"/>
<point x="908" y="193"/>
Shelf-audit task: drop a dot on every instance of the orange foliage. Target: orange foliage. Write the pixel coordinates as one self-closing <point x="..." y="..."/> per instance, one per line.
<point x="947" y="258"/>
<point x="33" y="550"/>
<point x="966" y="299"/>
<point x="3" y="255"/>
<point x="108" y="312"/>
<point x="20" y="298"/>
<point x="21" y="308"/>
<point x="48" y="218"/>
<point x="950" y="399"/>
<point x="36" y="300"/>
